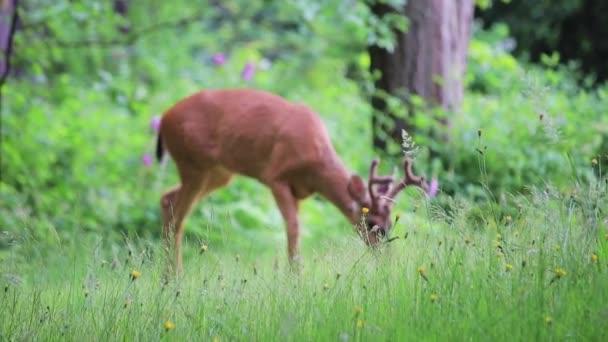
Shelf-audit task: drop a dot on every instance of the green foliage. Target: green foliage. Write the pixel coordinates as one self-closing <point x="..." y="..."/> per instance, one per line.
<point x="80" y="206"/>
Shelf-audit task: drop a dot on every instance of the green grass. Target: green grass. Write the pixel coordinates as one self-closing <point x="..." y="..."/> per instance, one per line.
<point x="83" y="290"/>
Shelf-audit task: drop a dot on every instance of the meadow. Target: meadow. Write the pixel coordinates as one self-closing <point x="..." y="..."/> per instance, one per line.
<point x="539" y="274"/>
<point x="514" y="247"/>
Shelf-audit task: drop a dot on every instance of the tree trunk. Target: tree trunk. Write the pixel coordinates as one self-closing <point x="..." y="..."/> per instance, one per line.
<point x="429" y="60"/>
<point x="8" y="24"/>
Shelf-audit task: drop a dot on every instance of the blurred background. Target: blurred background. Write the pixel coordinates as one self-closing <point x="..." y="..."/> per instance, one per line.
<point x="499" y="96"/>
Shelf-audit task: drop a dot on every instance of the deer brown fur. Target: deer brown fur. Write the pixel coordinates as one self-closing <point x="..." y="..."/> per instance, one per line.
<point x="213" y="135"/>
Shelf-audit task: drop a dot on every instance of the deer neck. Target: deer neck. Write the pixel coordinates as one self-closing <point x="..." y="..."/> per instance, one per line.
<point x="333" y="186"/>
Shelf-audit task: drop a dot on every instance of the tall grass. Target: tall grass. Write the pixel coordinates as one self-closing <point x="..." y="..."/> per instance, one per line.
<point x="454" y="273"/>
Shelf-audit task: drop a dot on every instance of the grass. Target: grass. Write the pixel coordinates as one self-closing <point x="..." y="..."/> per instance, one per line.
<point x="453" y="274"/>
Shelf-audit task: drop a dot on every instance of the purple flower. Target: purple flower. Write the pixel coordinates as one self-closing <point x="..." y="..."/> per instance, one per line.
<point x="155" y="124"/>
<point x="433" y="188"/>
<point x="248" y="71"/>
<point x="147" y="160"/>
<point x="219" y="59"/>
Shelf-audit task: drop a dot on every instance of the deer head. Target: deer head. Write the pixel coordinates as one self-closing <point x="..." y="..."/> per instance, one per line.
<point x="379" y="198"/>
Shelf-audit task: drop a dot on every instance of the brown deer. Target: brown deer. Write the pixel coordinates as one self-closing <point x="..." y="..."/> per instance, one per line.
<point x="214" y="134"/>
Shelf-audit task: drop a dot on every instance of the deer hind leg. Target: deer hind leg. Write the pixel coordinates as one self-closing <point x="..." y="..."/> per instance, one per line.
<point x="177" y="203"/>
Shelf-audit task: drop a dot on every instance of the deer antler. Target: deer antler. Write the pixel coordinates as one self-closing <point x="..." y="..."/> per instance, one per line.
<point x="409" y="179"/>
<point x="374" y="179"/>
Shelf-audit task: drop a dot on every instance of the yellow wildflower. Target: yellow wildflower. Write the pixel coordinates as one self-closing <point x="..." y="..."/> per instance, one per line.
<point x="203" y="248"/>
<point x="593" y="161"/>
<point x="360" y="323"/>
<point x="594" y="258"/>
<point x="560" y="272"/>
<point x="497" y="244"/>
<point x="135" y="274"/>
<point x="365" y="210"/>
<point x="508" y="267"/>
<point x="169" y="325"/>
<point x="508" y="219"/>
<point x="434" y="297"/>
<point x="549" y="320"/>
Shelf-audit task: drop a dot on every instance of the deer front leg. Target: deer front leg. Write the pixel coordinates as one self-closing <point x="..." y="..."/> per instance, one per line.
<point x="288" y="205"/>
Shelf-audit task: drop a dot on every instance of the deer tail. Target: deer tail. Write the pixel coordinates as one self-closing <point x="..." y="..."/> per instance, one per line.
<point x="160" y="150"/>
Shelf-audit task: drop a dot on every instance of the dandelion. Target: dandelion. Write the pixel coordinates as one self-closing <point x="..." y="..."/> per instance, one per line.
<point x="360" y="323"/>
<point x="147" y="160"/>
<point x="594" y="258"/>
<point x="219" y="59"/>
<point x="548" y="320"/>
<point x="365" y="210"/>
<point x="203" y="248"/>
<point x="508" y="267"/>
<point x="422" y="273"/>
<point x="155" y="124"/>
<point x="560" y="272"/>
<point x="169" y="325"/>
<point x="434" y="297"/>
<point x="135" y="274"/>
<point x="248" y="72"/>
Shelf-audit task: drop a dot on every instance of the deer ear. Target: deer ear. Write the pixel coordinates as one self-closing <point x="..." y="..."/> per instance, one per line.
<point x="356" y="188"/>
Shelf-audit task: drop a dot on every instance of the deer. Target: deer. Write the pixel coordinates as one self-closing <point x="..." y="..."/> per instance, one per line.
<point x="214" y="135"/>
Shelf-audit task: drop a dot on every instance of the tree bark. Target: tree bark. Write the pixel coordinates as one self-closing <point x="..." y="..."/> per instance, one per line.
<point x="8" y="25"/>
<point x="429" y="60"/>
